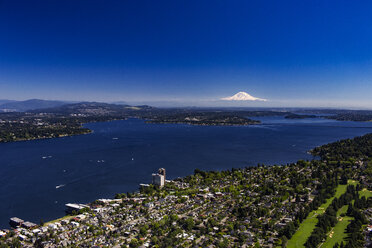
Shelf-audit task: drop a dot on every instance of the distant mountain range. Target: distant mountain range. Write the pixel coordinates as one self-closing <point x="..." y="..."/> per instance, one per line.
<point x="2" y="101"/>
<point x="37" y="105"/>
<point x="53" y="106"/>
<point x="32" y="104"/>
<point x="90" y="108"/>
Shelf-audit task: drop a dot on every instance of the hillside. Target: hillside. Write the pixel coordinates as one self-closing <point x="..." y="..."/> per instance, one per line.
<point x="21" y="106"/>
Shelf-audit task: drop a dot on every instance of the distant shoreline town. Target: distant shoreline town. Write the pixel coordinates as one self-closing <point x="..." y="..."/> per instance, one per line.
<point x="68" y="119"/>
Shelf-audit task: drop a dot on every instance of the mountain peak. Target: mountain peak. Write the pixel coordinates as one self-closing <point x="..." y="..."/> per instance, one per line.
<point x="242" y="96"/>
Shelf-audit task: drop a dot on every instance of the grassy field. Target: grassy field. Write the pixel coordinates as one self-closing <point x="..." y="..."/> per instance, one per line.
<point x="365" y="193"/>
<point x="308" y="225"/>
<point x="352" y="182"/>
<point x="337" y="234"/>
<point x="67" y="217"/>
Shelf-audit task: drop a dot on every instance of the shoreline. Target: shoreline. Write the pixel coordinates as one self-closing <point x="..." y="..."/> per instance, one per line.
<point x="308" y="152"/>
<point x="90" y="131"/>
<point x="204" y="124"/>
<point x="149" y="121"/>
<point x="213" y="199"/>
<point x="45" y="138"/>
<point x="138" y="193"/>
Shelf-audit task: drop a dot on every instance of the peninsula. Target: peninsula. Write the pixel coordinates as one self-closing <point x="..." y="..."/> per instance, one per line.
<point x="68" y="119"/>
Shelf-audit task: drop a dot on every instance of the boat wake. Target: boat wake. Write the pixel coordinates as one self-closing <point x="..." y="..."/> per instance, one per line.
<point x="60" y="186"/>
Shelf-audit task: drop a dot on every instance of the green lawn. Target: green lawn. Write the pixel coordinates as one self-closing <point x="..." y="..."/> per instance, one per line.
<point x="365" y="193"/>
<point x="337" y="234"/>
<point x="308" y="225"/>
<point x="304" y="231"/>
<point x="67" y="217"/>
<point x="342" y="210"/>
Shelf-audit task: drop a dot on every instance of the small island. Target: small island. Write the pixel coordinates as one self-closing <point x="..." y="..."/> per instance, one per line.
<point x="36" y="128"/>
<point x="205" y="120"/>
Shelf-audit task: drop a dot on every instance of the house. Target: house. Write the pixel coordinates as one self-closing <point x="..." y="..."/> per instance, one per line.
<point x="64" y="222"/>
<point x="15" y="222"/>
<point x="52" y="226"/>
<point x="149" y="205"/>
<point x="28" y="225"/>
<point x="22" y="237"/>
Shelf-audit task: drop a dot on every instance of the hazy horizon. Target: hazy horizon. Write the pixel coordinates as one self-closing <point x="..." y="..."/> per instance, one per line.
<point x="290" y="53"/>
<point x="190" y="104"/>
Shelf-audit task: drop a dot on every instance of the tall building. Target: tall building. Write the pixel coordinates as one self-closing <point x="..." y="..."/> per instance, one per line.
<point x="159" y="178"/>
<point x="161" y="171"/>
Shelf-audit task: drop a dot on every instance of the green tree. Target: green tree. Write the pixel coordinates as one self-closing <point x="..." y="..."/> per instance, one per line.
<point x="189" y="224"/>
<point x="134" y="243"/>
<point x="284" y="241"/>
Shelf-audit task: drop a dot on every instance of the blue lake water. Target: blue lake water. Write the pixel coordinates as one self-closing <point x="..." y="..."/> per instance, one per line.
<point x="38" y="177"/>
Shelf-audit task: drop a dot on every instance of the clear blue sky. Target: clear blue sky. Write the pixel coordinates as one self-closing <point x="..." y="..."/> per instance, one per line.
<point x="294" y="53"/>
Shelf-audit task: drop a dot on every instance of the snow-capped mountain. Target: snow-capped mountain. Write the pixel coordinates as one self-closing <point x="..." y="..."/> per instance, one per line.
<point x="242" y="96"/>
